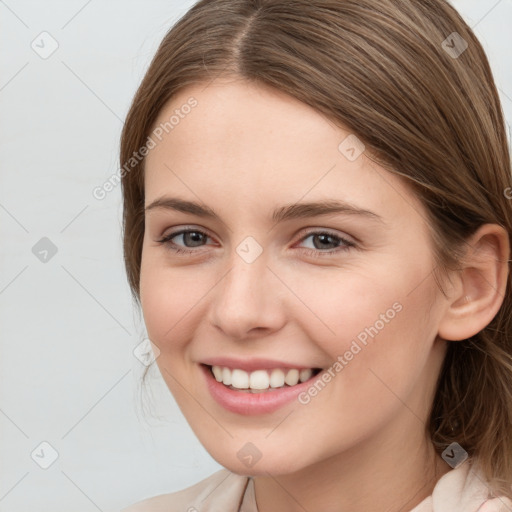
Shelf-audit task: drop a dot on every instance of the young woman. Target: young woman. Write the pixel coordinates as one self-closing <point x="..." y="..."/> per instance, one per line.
<point x="317" y="222"/>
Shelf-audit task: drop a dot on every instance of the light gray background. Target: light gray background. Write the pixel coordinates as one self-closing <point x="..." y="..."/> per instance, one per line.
<point x="67" y="326"/>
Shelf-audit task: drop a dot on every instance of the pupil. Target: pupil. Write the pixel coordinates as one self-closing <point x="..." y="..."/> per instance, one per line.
<point x="196" y="235"/>
<point x="323" y="238"/>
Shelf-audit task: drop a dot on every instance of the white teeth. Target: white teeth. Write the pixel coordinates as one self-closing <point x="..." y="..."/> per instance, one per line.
<point x="226" y="376"/>
<point x="277" y="378"/>
<point x="217" y="372"/>
<point x="305" y="374"/>
<point x="260" y="379"/>
<point x="239" y="379"/>
<point x="292" y="377"/>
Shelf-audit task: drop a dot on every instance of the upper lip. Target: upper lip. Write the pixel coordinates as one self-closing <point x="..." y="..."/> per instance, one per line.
<point x="250" y="365"/>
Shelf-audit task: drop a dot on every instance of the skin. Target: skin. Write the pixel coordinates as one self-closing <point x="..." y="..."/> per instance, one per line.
<point x="243" y="151"/>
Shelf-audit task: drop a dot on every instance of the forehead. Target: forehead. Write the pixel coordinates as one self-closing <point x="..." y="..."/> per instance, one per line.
<point x="256" y="145"/>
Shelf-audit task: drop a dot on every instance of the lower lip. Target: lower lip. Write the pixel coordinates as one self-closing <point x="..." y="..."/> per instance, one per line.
<point x="251" y="404"/>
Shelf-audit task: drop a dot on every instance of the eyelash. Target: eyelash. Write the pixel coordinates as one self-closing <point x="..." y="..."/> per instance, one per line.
<point x="166" y="240"/>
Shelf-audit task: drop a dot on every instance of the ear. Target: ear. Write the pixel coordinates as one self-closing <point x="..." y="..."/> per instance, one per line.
<point x="479" y="287"/>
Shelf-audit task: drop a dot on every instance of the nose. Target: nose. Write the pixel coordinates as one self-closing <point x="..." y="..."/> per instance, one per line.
<point x="248" y="301"/>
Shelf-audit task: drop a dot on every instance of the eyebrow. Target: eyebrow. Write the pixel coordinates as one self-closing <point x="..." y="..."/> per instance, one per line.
<point x="286" y="212"/>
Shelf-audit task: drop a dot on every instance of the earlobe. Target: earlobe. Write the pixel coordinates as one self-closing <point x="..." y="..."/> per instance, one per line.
<point x="481" y="284"/>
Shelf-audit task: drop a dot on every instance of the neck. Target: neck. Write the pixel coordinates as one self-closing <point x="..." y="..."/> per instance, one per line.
<point x="395" y="477"/>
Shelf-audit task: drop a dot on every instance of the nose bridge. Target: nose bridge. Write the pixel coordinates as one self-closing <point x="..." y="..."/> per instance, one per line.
<point x="246" y="297"/>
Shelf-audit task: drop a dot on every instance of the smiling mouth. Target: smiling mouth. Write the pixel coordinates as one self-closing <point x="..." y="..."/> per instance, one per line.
<point x="260" y="381"/>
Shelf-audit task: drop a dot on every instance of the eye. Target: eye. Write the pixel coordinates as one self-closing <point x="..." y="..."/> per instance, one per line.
<point x="192" y="236"/>
<point x="195" y="238"/>
<point x="324" y="239"/>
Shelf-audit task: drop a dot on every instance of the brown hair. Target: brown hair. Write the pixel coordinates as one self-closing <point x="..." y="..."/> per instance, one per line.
<point x="380" y="69"/>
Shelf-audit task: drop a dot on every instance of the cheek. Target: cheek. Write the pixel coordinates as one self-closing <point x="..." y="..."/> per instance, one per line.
<point x="380" y="353"/>
<point x="171" y="302"/>
<point x="373" y="319"/>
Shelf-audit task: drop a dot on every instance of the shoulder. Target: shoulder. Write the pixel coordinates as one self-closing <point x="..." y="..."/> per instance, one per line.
<point x="464" y="490"/>
<point x="496" y="505"/>
<point x="225" y="487"/>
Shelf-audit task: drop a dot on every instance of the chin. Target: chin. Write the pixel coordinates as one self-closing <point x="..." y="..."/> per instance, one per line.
<point x="263" y="467"/>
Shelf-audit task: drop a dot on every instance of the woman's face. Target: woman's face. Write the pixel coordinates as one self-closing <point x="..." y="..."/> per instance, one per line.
<point x="267" y="285"/>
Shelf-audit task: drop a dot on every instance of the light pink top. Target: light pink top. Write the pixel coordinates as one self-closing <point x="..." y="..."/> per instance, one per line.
<point x="460" y="490"/>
